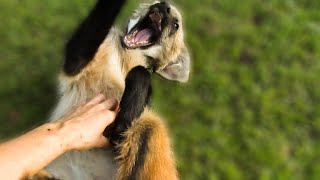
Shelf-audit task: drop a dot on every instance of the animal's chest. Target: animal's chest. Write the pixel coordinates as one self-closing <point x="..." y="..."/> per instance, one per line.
<point x="84" y="165"/>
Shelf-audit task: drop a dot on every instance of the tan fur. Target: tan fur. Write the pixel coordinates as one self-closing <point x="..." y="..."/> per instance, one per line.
<point x="106" y="74"/>
<point x="159" y="162"/>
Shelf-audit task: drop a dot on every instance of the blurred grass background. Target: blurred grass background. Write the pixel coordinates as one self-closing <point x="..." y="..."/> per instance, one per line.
<point x="250" y="111"/>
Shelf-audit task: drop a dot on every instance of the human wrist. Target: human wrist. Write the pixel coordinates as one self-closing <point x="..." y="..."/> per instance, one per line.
<point x="57" y="136"/>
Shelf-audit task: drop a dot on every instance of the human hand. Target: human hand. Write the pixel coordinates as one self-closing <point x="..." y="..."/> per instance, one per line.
<point x="83" y="128"/>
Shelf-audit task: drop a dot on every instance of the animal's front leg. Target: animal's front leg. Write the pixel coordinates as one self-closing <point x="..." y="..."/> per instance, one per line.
<point x="86" y="40"/>
<point x="141" y="142"/>
<point x="134" y="100"/>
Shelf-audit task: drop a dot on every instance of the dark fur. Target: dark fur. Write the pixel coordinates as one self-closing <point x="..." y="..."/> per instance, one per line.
<point x="85" y="42"/>
<point x="142" y="152"/>
<point x="135" y="98"/>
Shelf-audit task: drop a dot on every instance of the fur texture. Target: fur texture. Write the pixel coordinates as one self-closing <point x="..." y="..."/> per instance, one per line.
<point x="142" y="146"/>
<point x="135" y="98"/>
<point x="146" y="141"/>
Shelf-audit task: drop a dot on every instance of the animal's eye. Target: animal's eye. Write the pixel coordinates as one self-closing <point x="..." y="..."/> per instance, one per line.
<point x="176" y="26"/>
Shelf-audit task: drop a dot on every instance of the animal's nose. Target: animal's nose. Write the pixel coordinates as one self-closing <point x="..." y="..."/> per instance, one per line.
<point x="164" y="7"/>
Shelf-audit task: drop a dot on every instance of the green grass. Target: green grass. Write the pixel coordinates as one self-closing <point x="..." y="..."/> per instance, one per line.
<point x="250" y="111"/>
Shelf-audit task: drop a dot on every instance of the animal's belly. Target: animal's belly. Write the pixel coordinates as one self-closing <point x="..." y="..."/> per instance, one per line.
<point x="84" y="165"/>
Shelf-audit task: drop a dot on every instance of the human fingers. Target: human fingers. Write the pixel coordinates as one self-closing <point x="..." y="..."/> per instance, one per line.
<point x="96" y="100"/>
<point x="102" y="142"/>
<point x="110" y="104"/>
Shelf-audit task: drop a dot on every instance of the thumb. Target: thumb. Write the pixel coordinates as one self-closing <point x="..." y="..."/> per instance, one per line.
<point x="108" y="117"/>
<point x="111" y="104"/>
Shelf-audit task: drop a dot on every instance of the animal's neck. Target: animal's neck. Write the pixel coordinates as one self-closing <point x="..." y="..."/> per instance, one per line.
<point x="128" y="58"/>
<point x="131" y="58"/>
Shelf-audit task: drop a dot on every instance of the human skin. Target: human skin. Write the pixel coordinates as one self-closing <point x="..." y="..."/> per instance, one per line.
<point x="27" y="154"/>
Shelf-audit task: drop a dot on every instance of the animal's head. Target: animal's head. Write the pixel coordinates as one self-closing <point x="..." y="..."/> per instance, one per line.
<point x="157" y="30"/>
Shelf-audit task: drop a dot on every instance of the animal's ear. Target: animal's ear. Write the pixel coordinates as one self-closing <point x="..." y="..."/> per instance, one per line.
<point x="179" y="69"/>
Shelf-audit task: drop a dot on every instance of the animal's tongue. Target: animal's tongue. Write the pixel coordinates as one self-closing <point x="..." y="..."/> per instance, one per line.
<point x="143" y="35"/>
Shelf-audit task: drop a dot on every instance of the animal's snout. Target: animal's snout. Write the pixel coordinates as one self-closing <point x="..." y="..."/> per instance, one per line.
<point x="163" y="8"/>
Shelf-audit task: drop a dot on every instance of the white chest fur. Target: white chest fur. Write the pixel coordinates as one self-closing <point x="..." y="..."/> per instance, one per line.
<point x="84" y="165"/>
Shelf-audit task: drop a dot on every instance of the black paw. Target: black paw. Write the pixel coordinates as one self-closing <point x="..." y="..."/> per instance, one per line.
<point x="135" y="98"/>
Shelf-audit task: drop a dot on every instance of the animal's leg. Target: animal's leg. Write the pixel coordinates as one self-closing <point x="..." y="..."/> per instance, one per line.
<point x="135" y="98"/>
<point x="141" y="141"/>
<point x="84" y="43"/>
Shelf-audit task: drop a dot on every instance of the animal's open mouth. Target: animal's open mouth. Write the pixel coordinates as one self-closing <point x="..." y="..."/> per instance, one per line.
<point x="146" y="32"/>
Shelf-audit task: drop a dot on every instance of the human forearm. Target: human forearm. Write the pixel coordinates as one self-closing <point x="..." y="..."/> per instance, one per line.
<point x="82" y="129"/>
<point x="29" y="153"/>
